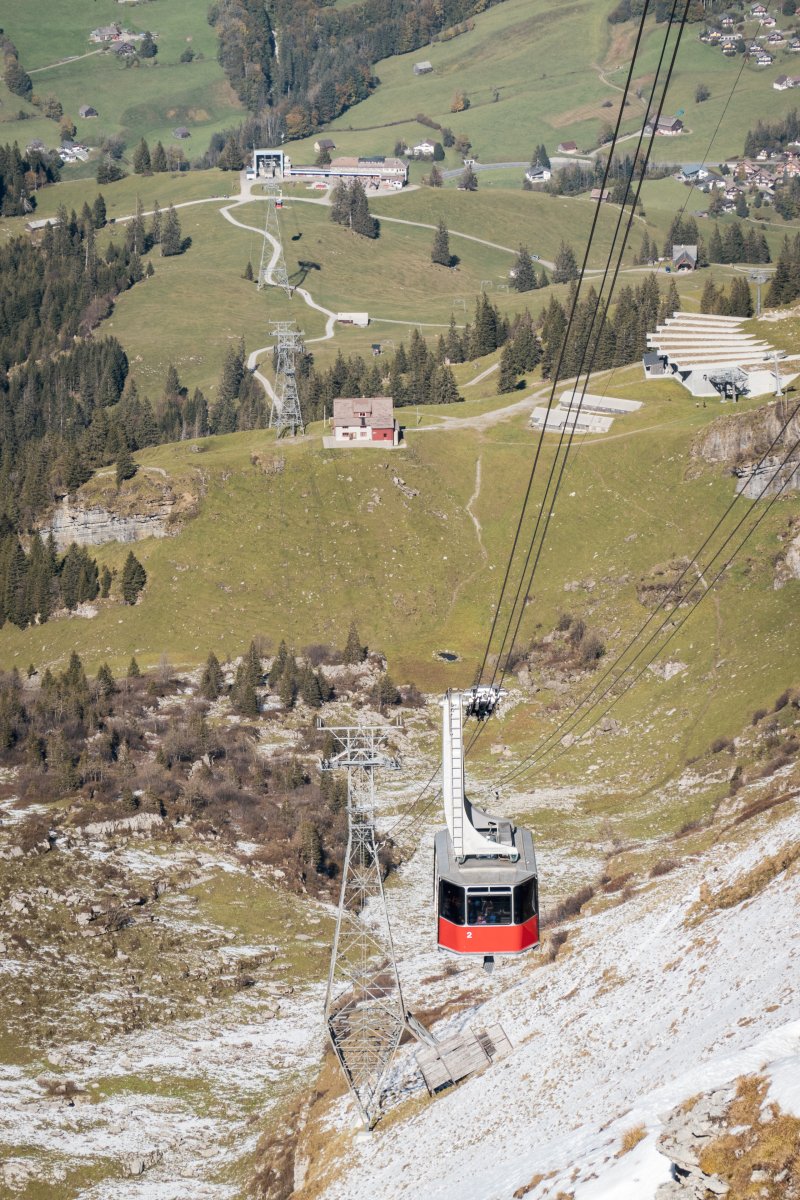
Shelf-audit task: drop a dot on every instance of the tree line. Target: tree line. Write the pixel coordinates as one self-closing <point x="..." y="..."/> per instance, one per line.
<point x="20" y="177"/>
<point x="39" y="582"/>
<point x="325" y="62"/>
<point x="602" y="336"/>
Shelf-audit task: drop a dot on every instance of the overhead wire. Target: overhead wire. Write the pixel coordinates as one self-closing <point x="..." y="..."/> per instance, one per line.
<point x="673" y="590"/>
<point x="522" y="769"/>
<point x="547" y="503"/>
<point x="537" y="454"/>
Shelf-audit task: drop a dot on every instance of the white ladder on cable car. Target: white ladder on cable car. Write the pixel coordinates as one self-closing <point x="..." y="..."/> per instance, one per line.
<point x="457" y="775"/>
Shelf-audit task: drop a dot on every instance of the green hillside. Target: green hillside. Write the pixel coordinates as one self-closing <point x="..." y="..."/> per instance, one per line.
<point x="147" y="100"/>
<point x="297" y="554"/>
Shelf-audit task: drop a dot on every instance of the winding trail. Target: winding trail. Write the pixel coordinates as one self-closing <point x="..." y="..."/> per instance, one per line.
<point x="483" y="375"/>
<point x="472" y="500"/>
<point x="65" y="62"/>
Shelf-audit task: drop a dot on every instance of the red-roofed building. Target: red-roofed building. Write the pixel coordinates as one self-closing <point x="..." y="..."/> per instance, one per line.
<point x="364" y="419"/>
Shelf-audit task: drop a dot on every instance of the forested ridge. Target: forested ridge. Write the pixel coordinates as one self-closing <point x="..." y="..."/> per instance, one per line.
<point x="300" y="63"/>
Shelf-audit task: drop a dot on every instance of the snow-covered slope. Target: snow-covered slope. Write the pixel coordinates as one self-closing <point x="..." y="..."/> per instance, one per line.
<point x="642" y="1008"/>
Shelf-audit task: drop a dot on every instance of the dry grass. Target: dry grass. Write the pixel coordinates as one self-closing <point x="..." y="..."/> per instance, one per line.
<point x="761" y="1157"/>
<point x="630" y="1138"/>
<point x="746" y="886"/>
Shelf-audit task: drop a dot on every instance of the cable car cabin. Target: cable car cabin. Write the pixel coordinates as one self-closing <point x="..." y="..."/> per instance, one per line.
<point x="487" y="905"/>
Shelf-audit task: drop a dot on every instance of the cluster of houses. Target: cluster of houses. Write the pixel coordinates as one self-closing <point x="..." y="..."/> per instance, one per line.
<point x="115" y="38"/>
<point x="731" y="32"/>
<point x="68" y="151"/>
<point x="763" y="174"/>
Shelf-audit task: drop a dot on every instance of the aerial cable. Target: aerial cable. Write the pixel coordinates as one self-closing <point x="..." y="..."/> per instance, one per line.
<point x="531" y="761"/>
<point x="546" y="506"/>
<point x="540" y="443"/>
<point x="672" y="590"/>
<point x="684" y="619"/>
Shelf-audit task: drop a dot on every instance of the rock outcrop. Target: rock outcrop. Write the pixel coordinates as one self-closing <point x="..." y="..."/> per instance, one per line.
<point x="738" y="439"/>
<point x="685" y="1135"/>
<point x="144" y="507"/>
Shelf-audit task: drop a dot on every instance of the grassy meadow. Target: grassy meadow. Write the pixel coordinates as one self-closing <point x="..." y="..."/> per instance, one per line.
<point x="148" y="100"/>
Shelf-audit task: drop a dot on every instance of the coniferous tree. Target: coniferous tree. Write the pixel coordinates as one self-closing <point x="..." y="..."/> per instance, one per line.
<point x="99" y="211"/>
<point x="523" y="273"/>
<point x="126" y="467"/>
<point x="354" y="652"/>
<point x="171" y="238"/>
<point x="278" y="665"/>
<point x="507" y="381"/>
<point x="566" y="268"/>
<point x="469" y="180"/>
<point x="134" y="671"/>
<point x="141" y="159"/>
<point x="105" y="582"/>
<point x="440" y="250"/>
<point x="158" y="159"/>
<point x="154" y="236"/>
<point x="361" y="220"/>
<point x="434" y="177"/>
<point x="212" y="680"/>
<point x="134" y="578"/>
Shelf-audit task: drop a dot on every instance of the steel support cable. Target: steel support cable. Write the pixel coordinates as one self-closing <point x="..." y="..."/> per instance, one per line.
<point x="546" y="507"/>
<point x="674" y="589"/>
<point x="522" y="769"/>
<point x="736" y="497"/>
<point x="584" y="265"/>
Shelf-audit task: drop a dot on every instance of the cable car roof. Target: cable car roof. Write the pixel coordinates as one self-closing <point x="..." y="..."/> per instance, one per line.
<point x="487" y="872"/>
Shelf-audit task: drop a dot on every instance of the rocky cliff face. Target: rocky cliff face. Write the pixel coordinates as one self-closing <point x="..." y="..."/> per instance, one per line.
<point x="743" y="438"/>
<point x="99" y="512"/>
<point x="93" y="526"/>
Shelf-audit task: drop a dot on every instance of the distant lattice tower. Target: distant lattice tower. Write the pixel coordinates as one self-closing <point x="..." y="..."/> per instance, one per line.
<point x="272" y="271"/>
<point x="286" y="415"/>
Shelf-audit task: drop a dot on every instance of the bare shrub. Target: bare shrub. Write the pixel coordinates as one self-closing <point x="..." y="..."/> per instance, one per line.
<point x="564" y="622"/>
<point x="572" y="905"/>
<point x="782" y="701"/>
<point x="758" y="715"/>
<point x="663" y="867"/>
<point x="631" y="1138"/>
<point x="721" y="743"/>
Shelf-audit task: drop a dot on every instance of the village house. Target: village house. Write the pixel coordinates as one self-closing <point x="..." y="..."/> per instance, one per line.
<point x="794" y="45"/>
<point x="776" y="38"/>
<point x="422" y="149"/>
<point x="181" y="132"/>
<point x="768" y="23"/>
<point x="684" y="258"/>
<point x="364" y="419"/>
<point x="758" y="10"/>
<point x="124" y="50"/>
<point x="600" y="194"/>
<point x="538" y="174"/>
<point x="692" y="173"/>
<point x="87" y="110"/>
<point x="423" y="68"/>
<point x="666" y="126"/>
<point x="781" y="83"/>
<point x="567" y="148"/>
<point x="324" y="144"/>
<point x="106" y="33"/>
<point x="727" y="22"/>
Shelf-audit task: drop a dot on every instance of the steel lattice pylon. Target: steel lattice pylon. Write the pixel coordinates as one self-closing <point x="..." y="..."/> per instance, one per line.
<point x="364" y="1010"/>
<point x="273" y="264"/>
<point x="285" y="415"/>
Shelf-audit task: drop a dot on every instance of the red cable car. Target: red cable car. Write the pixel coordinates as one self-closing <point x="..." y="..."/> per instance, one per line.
<point x="484" y="866"/>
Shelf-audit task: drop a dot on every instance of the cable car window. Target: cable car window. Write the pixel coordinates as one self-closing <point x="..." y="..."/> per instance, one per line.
<point x="451" y="902"/>
<point x="524" y="901"/>
<point x="489" y="910"/>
